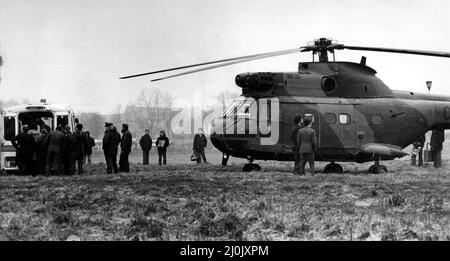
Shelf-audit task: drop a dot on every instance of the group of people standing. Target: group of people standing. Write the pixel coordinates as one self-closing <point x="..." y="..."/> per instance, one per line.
<point x="62" y="151"/>
<point x="112" y="139"/>
<point x="145" y="142"/>
<point x="52" y="152"/>
<point x="303" y="138"/>
<point x="161" y="144"/>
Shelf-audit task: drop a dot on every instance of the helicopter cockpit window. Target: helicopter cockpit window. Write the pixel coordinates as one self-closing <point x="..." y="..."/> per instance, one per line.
<point x="344" y="118"/>
<point x="244" y="111"/>
<point x="377" y="119"/>
<point x="330" y="118"/>
<point x="239" y="108"/>
<point x="231" y="110"/>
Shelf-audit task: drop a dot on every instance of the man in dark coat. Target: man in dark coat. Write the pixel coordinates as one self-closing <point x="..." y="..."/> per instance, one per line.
<point x="25" y="145"/>
<point x="294" y="135"/>
<point x="35" y="133"/>
<point x="111" y="141"/>
<point x="125" y="148"/>
<point x="90" y="142"/>
<point x="77" y="149"/>
<point x="146" y="145"/>
<point x="437" y="138"/>
<point x="54" y="152"/>
<point x="199" y="146"/>
<point x="307" y="146"/>
<point x="162" y="143"/>
<point x="67" y="148"/>
<point x="41" y="151"/>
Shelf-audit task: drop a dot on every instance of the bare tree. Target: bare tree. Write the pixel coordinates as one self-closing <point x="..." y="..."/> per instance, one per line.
<point x="6" y="104"/>
<point x="152" y="110"/>
<point x="93" y="122"/>
<point x="117" y="117"/>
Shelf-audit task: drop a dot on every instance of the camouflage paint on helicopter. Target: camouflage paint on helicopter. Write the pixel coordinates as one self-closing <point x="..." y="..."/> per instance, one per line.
<point x="356" y="116"/>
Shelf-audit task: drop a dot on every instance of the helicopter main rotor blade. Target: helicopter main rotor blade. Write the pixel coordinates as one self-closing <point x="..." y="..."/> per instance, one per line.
<point x="392" y="50"/>
<point x="254" y="56"/>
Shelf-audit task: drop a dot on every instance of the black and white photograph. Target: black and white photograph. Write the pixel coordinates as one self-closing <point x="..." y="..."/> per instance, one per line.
<point x="246" y="122"/>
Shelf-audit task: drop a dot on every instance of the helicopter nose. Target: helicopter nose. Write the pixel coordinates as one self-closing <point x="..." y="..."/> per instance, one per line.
<point x="217" y="139"/>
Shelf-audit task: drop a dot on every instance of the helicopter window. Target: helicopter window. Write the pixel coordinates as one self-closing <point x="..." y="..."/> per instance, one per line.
<point x="330" y="118"/>
<point x="231" y="110"/>
<point x="377" y="119"/>
<point x="447" y="113"/>
<point x="244" y="112"/>
<point x="345" y="118"/>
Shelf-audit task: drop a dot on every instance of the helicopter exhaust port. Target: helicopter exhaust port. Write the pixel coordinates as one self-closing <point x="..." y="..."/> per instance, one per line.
<point x="328" y="84"/>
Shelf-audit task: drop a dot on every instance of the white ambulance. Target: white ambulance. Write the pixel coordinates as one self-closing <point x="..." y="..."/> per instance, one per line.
<point x="36" y="116"/>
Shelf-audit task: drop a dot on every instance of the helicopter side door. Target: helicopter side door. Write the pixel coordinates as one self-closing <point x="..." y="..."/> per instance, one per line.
<point x="338" y="126"/>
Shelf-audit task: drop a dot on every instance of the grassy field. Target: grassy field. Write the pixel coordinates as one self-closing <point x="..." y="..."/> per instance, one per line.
<point x="185" y="201"/>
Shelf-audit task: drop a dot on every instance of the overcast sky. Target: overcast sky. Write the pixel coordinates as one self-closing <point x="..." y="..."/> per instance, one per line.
<point x="74" y="51"/>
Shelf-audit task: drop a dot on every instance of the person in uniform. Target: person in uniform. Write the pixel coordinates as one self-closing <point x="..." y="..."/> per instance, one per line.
<point x="200" y="142"/>
<point x="307" y="143"/>
<point x="298" y="120"/>
<point x="162" y="143"/>
<point x="25" y="146"/>
<point x="111" y="141"/>
<point x="146" y="145"/>
<point x="437" y="138"/>
<point x="125" y="149"/>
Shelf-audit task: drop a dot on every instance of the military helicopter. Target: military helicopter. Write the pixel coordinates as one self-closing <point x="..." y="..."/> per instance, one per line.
<point x="357" y="118"/>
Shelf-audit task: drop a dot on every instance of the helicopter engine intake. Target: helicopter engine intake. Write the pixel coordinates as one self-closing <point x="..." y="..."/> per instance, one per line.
<point x="255" y="81"/>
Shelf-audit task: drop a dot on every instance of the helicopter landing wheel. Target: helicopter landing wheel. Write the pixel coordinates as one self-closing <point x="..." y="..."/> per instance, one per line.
<point x="249" y="167"/>
<point x="225" y="158"/>
<point x="333" y="168"/>
<point x="380" y="169"/>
